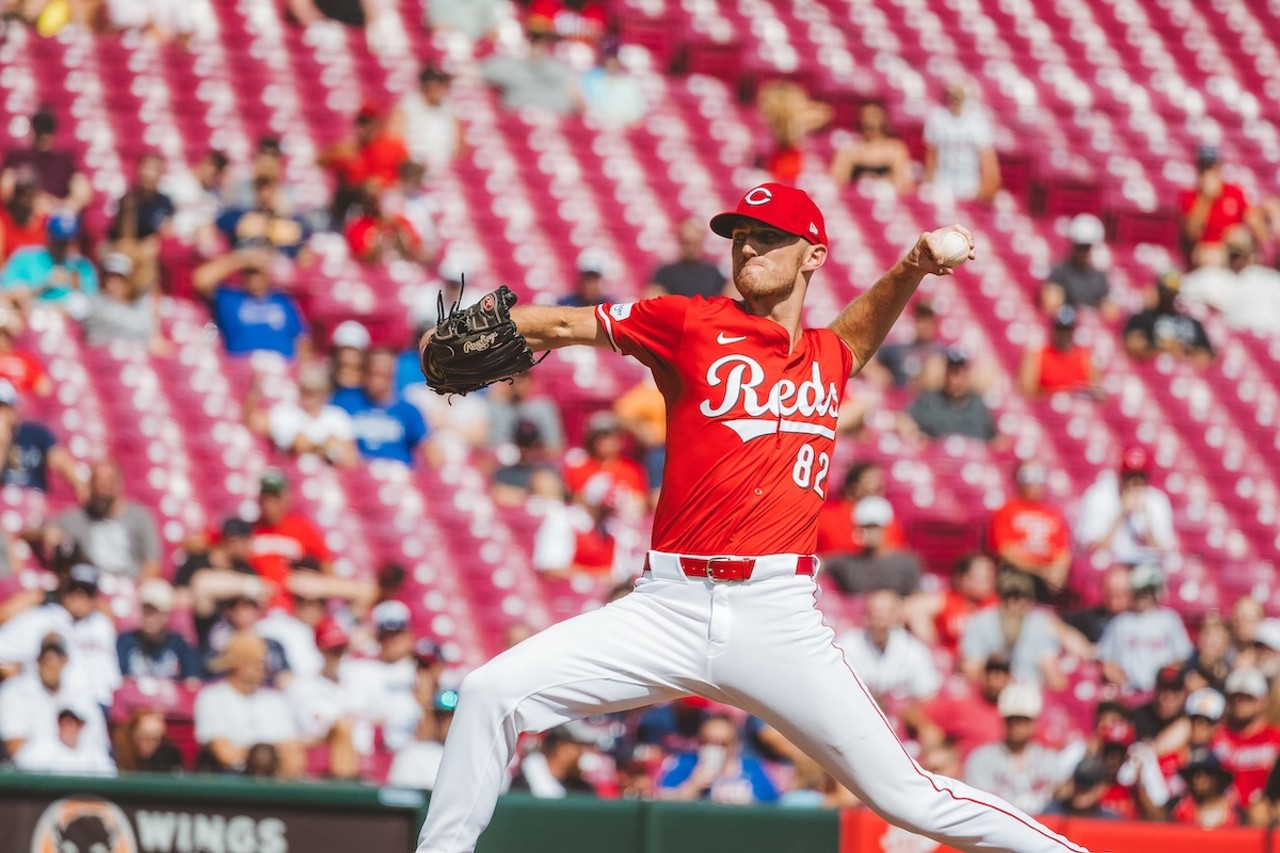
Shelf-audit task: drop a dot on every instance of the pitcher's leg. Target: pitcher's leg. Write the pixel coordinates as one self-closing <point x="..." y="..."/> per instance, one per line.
<point x="791" y="674"/>
<point x="619" y="657"/>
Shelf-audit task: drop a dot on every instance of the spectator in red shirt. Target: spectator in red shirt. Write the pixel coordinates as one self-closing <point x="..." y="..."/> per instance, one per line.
<point x="1211" y="207"/>
<point x="1030" y="535"/>
<point x="940" y="618"/>
<point x="281" y="538"/>
<point x="836" y="531"/>
<point x="1060" y="365"/>
<point x="20" y="224"/>
<point x="1247" y="744"/>
<point x="22" y="369"/>
<point x="1206" y="803"/>
<point x="370" y="160"/>
<point x="602" y="453"/>
<point x="375" y="235"/>
<point x="583" y="20"/>
<point x="967" y="716"/>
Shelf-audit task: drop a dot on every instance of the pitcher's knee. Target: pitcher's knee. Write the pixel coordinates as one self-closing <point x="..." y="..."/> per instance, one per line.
<point x="493" y="686"/>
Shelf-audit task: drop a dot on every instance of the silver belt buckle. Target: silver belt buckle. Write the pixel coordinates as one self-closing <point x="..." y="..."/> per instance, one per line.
<point x="711" y="561"/>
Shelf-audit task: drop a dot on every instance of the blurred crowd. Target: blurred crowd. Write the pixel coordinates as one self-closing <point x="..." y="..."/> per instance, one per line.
<point x="252" y="656"/>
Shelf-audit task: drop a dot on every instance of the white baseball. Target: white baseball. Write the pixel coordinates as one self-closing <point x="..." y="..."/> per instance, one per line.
<point x="954" y="249"/>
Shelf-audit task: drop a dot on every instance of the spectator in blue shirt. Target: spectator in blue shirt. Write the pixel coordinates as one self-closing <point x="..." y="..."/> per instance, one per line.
<point x="253" y="316"/>
<point x="52" y="273"/>
<point x="28" y="450"/>
<point x="718" y="770"/>
<point x="153" y="650"/>
<point x="387" y="427"/>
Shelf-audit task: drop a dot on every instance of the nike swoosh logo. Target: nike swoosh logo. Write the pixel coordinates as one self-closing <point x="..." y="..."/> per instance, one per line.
<point x="721" y="339"/>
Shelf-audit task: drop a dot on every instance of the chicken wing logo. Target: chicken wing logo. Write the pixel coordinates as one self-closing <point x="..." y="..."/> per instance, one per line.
<point x="769" y="409"/>
<point x="83" y="825"/>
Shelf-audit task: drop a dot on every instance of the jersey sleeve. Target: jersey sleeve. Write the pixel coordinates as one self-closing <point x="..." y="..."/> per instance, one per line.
<point x="650" y="330"/>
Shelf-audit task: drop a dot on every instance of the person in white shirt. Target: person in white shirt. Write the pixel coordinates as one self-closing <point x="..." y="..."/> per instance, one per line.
<point x="239" y="712"/>
<point x="387" y="682"/>
<point x="313" y="425"/>
<point x="89" y="634"/>
<point x="29" y="702"/>
<point x="1127" y="517"/>
<point x="1138" y="643"/>
<point x="960" y="155"/>
<point x="70" y="752"/>
<point x="425" y="120"/>
<point x="1017" y="768"/>
<point x="325" y="707"/>
<point x="891" y="662"/>
<point x="417" y="762"/>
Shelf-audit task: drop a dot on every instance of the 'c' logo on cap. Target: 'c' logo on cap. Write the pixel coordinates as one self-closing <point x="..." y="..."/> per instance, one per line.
<point x="758" y="196"/>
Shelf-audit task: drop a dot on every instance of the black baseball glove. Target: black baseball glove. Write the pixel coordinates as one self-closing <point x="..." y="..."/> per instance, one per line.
<point x="476" y="346"/>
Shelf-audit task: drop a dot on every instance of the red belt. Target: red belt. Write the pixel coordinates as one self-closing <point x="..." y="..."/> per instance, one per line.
<point x="736" y="568"/>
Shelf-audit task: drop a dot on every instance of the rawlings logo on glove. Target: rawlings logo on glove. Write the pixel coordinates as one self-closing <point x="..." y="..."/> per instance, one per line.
<point x="477" y="346"/>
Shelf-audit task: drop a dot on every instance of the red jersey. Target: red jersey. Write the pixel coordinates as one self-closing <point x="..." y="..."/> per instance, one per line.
<point x="1250" y="755"/>
<point x="1227" y="210"/>
<point x="14" y="236"/>
<point x="751" y="426"/>
<point x="22" y="369"/>
<point x="1065" y="371"/>
<point x="837" y="534"/>
<point x="274" y="549"/>
<point x="1037" y="529"/>
<point x="1186" y="812"/>
<point x="593" y="552"/>
<point x="623" y="470"/>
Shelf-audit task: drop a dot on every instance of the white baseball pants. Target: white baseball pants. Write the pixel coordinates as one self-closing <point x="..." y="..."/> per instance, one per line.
<point x="760" y="645"/>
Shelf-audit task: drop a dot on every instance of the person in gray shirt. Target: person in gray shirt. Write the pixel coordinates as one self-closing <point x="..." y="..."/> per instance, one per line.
<point x="1017" y="768"/>
<point x="537" y="79"/>
<point x="1015" y="627"/>
<point x="955" y="409"/>
<point x="118" y="312"/>
<point x="874" y="567"/>
<point x="116" y="534"/>
<point x="1075" y="280"/>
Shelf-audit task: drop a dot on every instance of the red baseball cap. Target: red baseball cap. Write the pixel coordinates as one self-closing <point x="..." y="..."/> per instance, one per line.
<point x="1135" y="460"/>
<point x="785" y="208"/>
<point x="330" y="635"/>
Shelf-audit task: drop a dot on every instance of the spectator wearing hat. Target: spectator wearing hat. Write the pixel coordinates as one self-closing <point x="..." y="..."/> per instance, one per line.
<point x="417" y="763"/>
<point x="241" y="711"/>
<point x="1164" y="709"/>
<point x="121" y="310"/>
<point x="252" y="315"/>
<point x="55" y="274"/>
<point x="18" y="366"/>
<point x="1061" y="365"/>
<point x="522" y="400"/>
<point x="837" y="531"/>
<point x="896" y="667"/>
<point x="717" y="770"/>
<point x="1135" y="786"/>
<point x="71" y="752"/>
<point x="1162" y="327"/>
<point x="690" y="274"/>
<point x="1014" y="626"/>
<point x="1125" y="516"/>
<point x="348" y="344"/>
<point x="29" y="702"/>
<point x="1211" y="208"/>
<point x="953" y="409"/>
<point x="1017" y="768"/>
<point x="537" y="80"/>
<point x="21" y="224"/>
<point x="30" y="450"/>
<point x="964" y="715"/>
<point x="220" y="568"/>
<point x="1137" y="644"/>
<point x="960" y="155"/>
<point x="152" y="650"/>
<point x="1206" y="803"/>
<point x="602" y="453"/>
<point x="312" y="425"/>
<point x="393" y="671"/>
<point x="282" y="536"/>
<point x="386" y="427"/>
<point x="1030" y="534"/>
<point x="1247" y="744"/>
<point x="1082" y="796"/>
<point x="325" y="705"/>
<point x="73" y="612"/>
<point x="116" y="534"/>
<point x="426" y="120"/>
<point x="593" y="266"/>
<point x="1199" y="725"/>
<point x="919" y="363"/>
<point x="875" y="566"/>
<point x="61" y="184"/>
<point x="1076" y="280"/>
